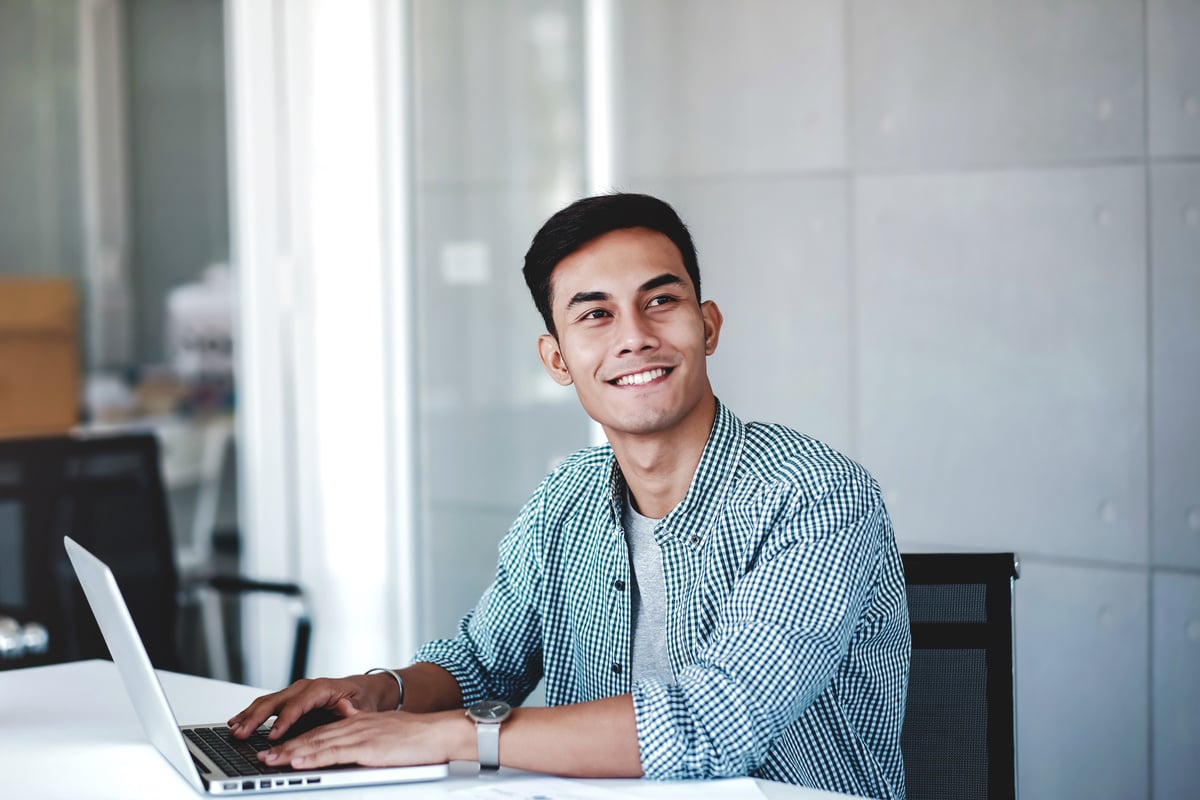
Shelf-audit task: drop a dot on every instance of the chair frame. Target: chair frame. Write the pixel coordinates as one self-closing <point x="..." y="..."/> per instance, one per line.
<point x="40" y="489"/>
<point x="995" y="571"/>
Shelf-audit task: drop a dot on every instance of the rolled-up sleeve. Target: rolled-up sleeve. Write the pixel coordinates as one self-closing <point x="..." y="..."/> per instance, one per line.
<point x="780" y="638"/>
<point x="497" y="653"/>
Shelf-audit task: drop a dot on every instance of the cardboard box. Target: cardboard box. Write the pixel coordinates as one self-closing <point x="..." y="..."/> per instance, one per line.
<point x="39" y="356"/>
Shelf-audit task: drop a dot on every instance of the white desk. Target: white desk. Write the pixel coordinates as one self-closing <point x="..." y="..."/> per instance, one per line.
<point x="63" y="726"/>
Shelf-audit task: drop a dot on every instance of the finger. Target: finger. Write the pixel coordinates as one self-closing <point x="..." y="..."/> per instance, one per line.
<point x="316" y="694"/>
<point x="248" y="720"/>
<point x="345" y="708"/>
<point x="336" y="743"/>
<point x="287" y="715"/>
<point x="246" y="712"/>
<point x="329" y="756"/>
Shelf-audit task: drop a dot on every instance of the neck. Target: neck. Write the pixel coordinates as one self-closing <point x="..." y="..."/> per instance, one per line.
<point x="659" y="468"/>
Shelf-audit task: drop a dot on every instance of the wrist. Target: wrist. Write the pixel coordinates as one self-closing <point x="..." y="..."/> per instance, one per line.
<point x="460" y="738"/>
<point x="387" y="688"/>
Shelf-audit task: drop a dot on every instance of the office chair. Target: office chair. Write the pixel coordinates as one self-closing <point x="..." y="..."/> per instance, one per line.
<point x="106" y="492"/>
<point x="959" y="735"/>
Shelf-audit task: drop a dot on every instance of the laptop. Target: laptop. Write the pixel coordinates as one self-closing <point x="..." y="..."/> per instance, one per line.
<point x="205" y="755"/>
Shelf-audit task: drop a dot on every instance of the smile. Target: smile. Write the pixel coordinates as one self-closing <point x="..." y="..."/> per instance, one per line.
<point x="638" y="378"/>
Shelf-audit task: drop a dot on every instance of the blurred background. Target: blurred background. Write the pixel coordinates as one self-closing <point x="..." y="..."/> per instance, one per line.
<point x="957" y="239"/>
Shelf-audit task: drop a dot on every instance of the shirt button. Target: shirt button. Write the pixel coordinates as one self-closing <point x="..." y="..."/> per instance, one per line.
<point x="619" y="585"/>
<point x="617" y="668"/>
<point x="695" y="538"/>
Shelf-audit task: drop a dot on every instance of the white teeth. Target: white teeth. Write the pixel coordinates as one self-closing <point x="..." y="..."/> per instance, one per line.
<point x="641" y="377"/>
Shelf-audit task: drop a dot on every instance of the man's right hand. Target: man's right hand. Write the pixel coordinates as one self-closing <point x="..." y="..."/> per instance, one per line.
<point x="343" y="696"/>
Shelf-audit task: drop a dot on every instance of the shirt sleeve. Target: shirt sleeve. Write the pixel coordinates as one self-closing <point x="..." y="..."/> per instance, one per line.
<point x="497" y="652"/>
<point x="780" y="638"/>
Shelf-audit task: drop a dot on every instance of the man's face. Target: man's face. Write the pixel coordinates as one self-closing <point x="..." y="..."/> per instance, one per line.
<point x="631" y="336"/>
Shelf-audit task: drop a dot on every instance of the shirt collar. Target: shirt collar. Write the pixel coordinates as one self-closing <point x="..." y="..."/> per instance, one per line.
<point x="696" y="514"/>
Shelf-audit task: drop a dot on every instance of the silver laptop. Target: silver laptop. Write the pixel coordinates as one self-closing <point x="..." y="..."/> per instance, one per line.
<point x="205" y="755"/>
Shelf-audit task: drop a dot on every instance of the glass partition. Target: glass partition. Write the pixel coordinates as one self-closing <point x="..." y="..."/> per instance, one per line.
<point x="499" y="145"/>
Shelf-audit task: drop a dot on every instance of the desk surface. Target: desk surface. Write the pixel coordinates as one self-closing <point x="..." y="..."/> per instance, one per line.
<point x="69" y="731"/>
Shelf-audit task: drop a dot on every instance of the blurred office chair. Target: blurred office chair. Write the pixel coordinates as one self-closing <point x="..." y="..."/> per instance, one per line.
<point x="106" y="492"/>
<point x="959" y="735"/>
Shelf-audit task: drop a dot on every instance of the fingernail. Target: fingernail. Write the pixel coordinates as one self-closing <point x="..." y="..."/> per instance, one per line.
<point x="298" y="761"/>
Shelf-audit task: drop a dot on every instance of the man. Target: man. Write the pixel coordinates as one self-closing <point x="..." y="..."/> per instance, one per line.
<point x="703" y="597"/>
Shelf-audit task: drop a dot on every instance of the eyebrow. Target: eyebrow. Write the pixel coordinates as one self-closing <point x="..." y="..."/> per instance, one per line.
<point x="666" y="279"/>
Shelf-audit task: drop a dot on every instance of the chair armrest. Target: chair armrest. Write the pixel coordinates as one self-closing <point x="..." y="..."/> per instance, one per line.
<point x="298" y="605"/>
<point x="231" y="584"/>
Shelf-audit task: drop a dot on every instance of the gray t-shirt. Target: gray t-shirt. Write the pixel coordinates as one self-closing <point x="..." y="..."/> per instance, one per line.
<point x="648" y="598"/>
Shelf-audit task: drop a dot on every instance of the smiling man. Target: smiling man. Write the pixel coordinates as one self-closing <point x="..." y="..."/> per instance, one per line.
<point x="703" y="597"/>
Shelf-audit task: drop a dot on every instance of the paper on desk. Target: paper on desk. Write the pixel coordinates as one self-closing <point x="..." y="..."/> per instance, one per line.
<point x="546" y="788"/>
<point x="724" y="789"/>
<point x="539" y="788"/>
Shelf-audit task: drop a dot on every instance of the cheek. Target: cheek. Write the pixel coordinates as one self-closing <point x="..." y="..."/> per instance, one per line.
<point x="581" y="353"/>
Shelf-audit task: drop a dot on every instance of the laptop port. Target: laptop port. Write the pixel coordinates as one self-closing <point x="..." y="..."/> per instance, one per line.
<point x="312" y="780"/>
<point x="295" y="781"/>
<point x="228" y="786"/>
<point x="247" y="785"/>
<point x="264" y="784"/>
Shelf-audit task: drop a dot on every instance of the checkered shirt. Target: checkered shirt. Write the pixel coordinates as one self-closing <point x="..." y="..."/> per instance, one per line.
<point x="787" y="623"/>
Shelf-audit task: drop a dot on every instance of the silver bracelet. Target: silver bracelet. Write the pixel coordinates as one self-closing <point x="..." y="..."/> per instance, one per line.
<point x="394" y="674"/>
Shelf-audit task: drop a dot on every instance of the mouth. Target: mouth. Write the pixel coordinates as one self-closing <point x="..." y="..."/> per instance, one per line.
<point x="641" y="378"/>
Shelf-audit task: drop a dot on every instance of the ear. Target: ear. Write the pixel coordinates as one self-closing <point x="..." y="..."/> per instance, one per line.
<point x="552" y="360"/>
<point x="712" y="325"/>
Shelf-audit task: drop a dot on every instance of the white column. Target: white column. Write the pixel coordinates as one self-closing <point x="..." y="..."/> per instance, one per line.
<point x="598" y="75"/>
<point x="395" y="100"/>
<point x="320" y="232"/>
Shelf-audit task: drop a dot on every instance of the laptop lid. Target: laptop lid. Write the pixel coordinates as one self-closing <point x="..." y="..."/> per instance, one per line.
<point x="154" y="710"/>
<point x="137" y="673"/>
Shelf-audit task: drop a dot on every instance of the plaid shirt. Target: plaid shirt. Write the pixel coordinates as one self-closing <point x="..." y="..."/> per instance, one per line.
<point x="787" y="623"/>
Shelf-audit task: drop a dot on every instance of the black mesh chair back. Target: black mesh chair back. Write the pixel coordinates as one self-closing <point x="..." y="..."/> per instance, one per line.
<point x="106" y="494"/>
<point x="959" y="735"/>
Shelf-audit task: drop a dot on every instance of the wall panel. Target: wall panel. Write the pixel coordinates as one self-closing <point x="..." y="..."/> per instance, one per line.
<point x="1174" y="76"/>
<point x="989" y="82"/>
<point x="1082" y="678"/>
<point x="1176" y="690"/>
<point x="1175" y="227"/>
<point x="707" y="87"/>
<point x="1002" y="329"/>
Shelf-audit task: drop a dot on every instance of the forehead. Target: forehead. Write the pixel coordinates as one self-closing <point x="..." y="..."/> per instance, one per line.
<point x="615" y="261"/>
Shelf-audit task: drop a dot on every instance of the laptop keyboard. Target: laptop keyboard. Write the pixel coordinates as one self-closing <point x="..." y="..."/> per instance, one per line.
<point x="234" y="756"/>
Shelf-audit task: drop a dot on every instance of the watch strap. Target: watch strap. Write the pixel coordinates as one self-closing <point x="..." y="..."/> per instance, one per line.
<point x="488" y="740"/>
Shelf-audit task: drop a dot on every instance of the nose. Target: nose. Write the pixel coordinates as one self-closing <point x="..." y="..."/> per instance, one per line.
<point x="635" y="335"/>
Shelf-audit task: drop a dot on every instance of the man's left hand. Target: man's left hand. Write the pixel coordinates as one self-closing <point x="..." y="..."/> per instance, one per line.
<point x="379" y="739"/>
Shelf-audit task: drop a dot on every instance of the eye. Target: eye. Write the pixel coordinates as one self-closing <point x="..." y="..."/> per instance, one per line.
<point x="595" y="313"/>
<point x="662" y="300"/>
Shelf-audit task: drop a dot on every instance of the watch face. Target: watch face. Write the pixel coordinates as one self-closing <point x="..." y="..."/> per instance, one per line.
<point x="490" y="710"/>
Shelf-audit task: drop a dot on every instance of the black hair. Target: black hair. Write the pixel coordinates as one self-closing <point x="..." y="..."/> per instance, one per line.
<point x="586" y="219"/>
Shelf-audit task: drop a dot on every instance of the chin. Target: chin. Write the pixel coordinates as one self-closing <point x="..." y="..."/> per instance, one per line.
<point x="649" y="421"/>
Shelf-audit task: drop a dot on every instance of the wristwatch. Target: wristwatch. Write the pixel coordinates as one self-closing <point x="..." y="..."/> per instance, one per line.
<point x="488" y="714"/>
